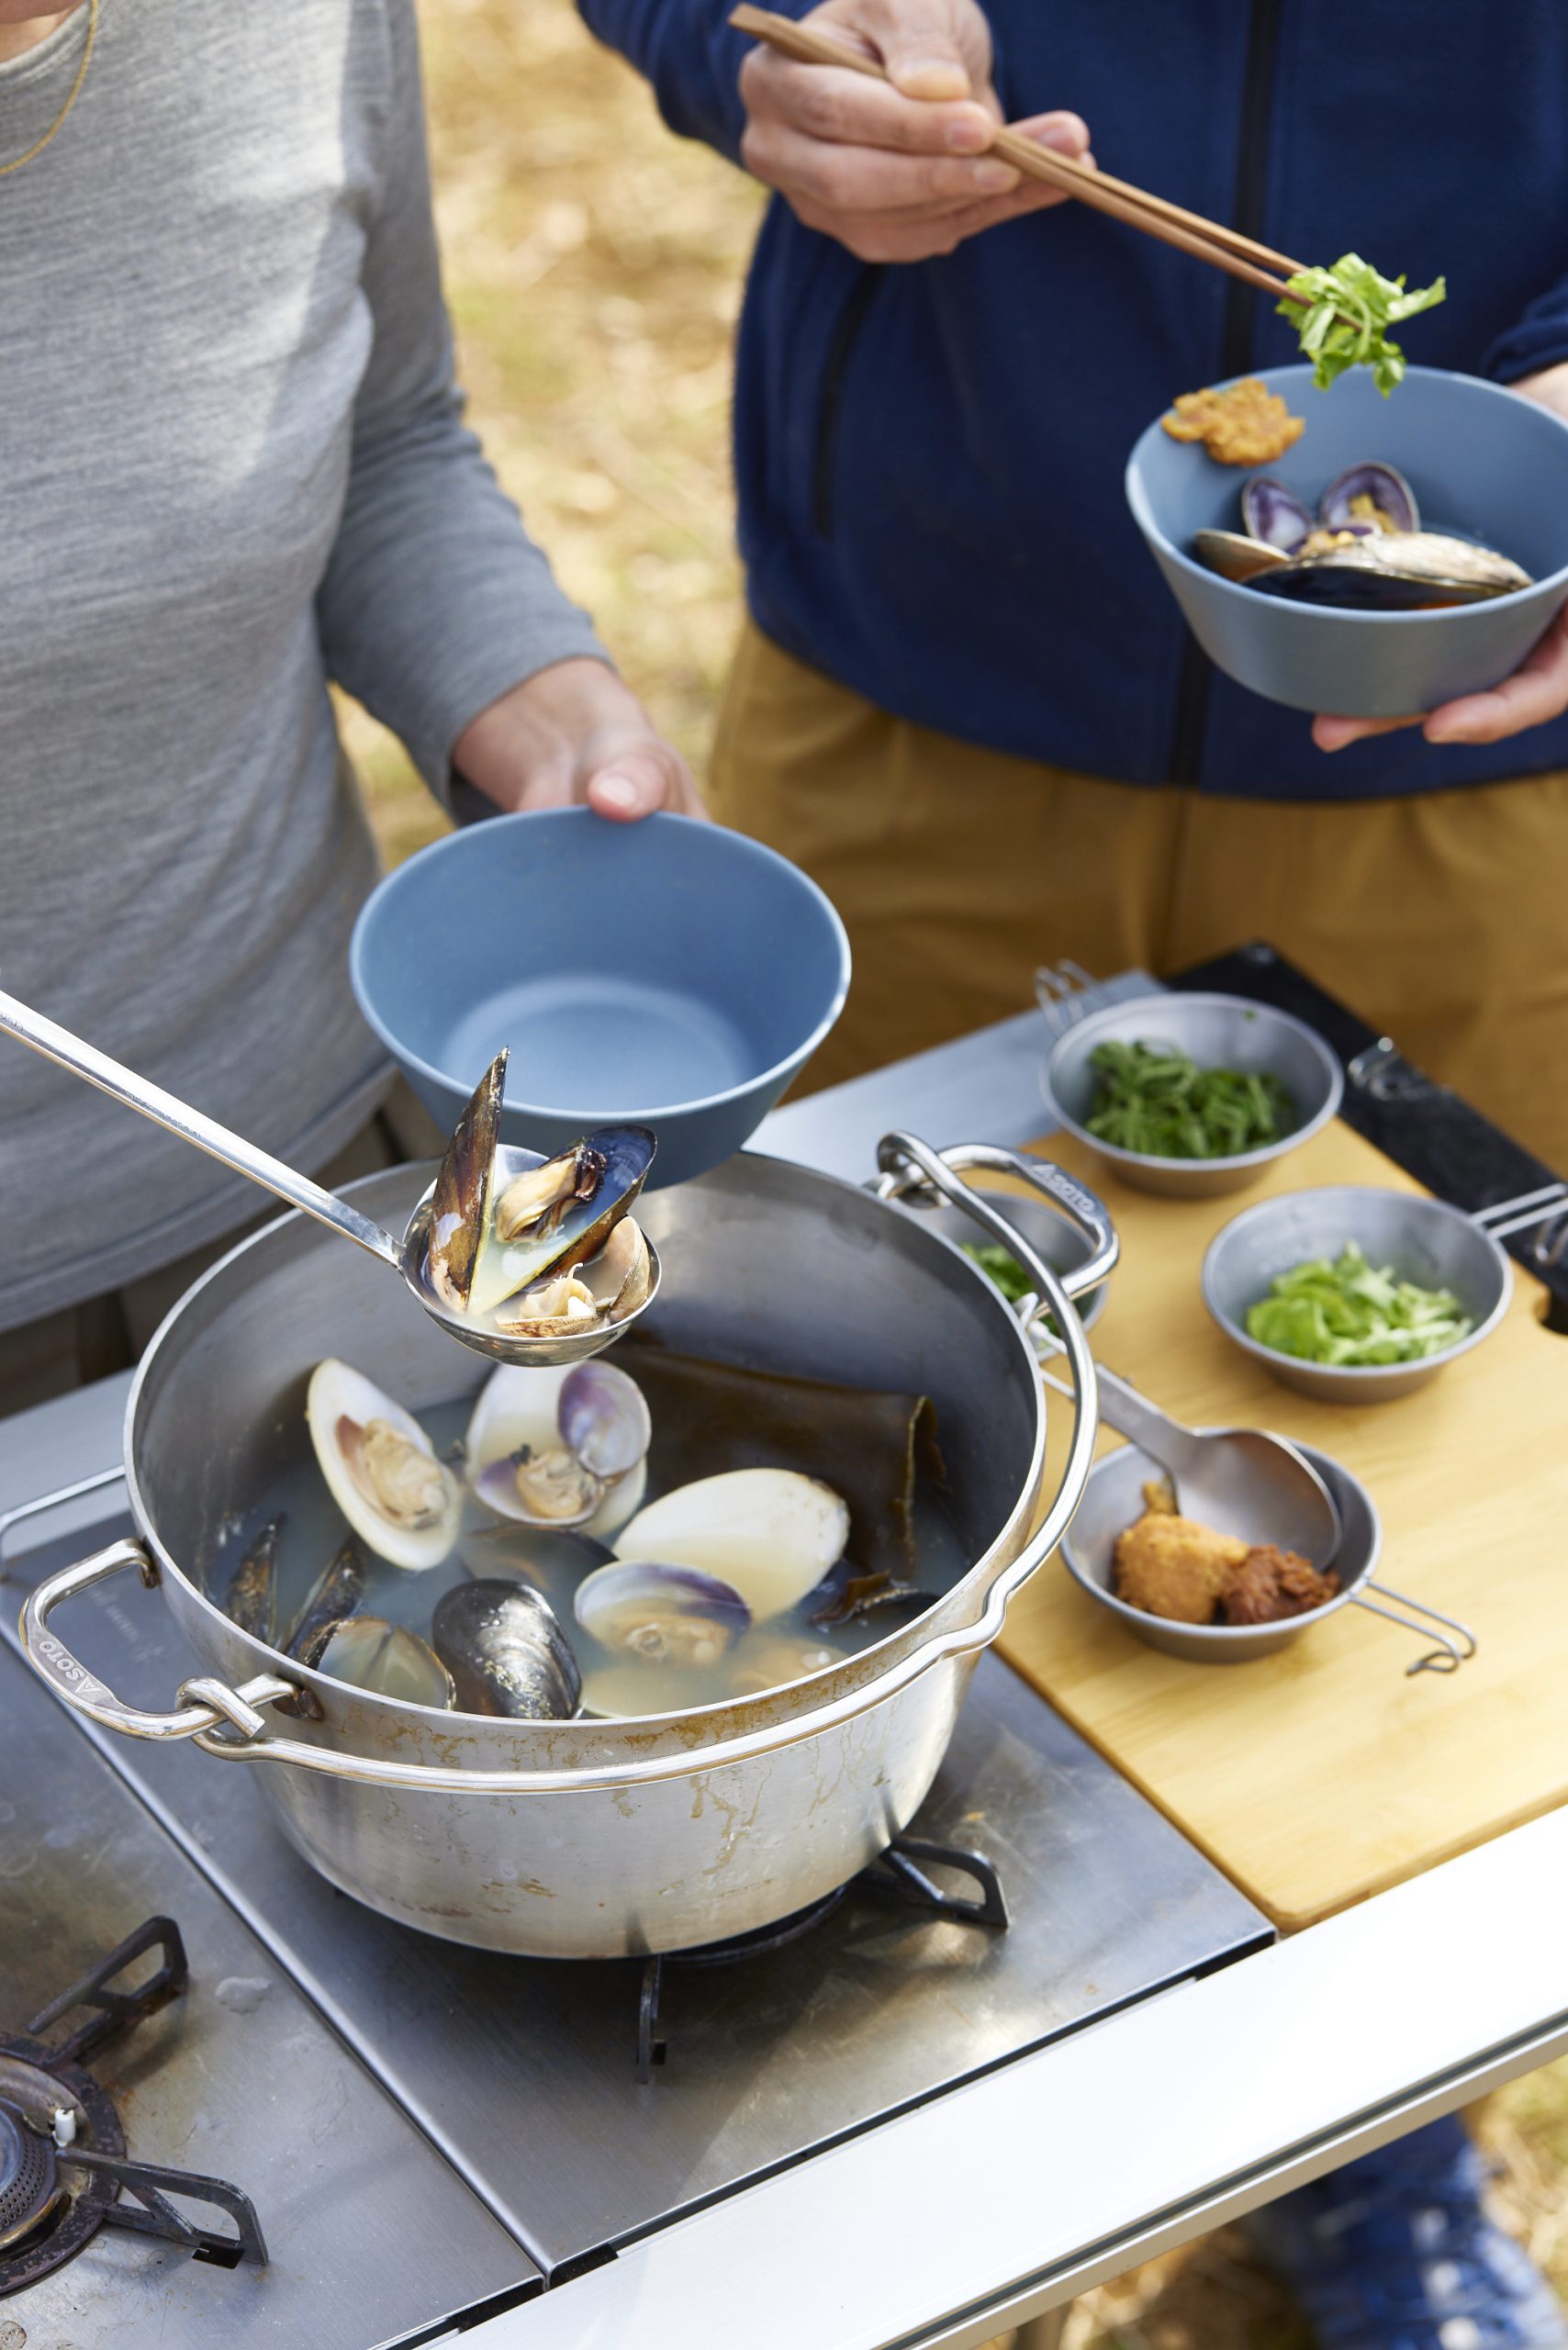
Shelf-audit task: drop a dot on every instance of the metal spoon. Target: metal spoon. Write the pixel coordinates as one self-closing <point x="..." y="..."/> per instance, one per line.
<point x="1239" y="1481"/>
<point x="406" y="1257"/>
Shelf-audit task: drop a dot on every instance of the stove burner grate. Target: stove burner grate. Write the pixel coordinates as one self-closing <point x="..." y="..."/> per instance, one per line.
<point x="56" y="2119"/>
<point x="898" y="1875"/>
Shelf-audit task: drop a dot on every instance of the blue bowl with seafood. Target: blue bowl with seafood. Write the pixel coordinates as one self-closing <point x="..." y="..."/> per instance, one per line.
<point x="1480" y="467"/>
<point x="667" y="974"/>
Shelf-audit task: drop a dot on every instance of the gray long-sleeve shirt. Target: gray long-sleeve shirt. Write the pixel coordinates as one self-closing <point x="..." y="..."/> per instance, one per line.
<point x="232" y="464"/>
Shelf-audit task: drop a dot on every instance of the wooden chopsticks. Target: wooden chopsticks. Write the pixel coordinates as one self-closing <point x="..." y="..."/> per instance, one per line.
<point x="1208" y="240"/>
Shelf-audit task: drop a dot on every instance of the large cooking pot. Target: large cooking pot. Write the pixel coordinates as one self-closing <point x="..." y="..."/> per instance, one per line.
<point x="590" y="1837"/>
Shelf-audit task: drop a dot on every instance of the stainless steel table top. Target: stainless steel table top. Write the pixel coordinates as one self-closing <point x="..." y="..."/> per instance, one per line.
<point x="524" y="2072"/>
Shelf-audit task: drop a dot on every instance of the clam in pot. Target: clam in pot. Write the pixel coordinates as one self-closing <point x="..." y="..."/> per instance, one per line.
<point x="594" y="1838"/>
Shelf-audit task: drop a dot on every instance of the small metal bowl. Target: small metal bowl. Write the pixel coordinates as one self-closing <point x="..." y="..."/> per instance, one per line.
<point x="1217" y="1031"/>
<point x="1423" y="1239"/>
<point x="1113" y="1498"/>
<point x="1062" y="1246"/>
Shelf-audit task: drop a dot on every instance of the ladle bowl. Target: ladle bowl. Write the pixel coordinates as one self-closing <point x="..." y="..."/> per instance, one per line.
<point x="408" y="1257"/>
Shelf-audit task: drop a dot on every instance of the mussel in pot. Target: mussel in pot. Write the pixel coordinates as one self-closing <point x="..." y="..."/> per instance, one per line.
<point x="251" y="1598"/>
<point x="402" y="1502"/>
<point x="506" y="1653"/>
<point x="333" y="1598"/>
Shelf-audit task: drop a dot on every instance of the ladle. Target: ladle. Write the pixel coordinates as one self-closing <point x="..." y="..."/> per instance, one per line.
<point x="406" y="1257"/>
<point x="1239" y="1481"/>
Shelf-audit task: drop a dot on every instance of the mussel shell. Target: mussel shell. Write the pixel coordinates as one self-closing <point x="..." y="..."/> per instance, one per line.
<point x="251" y="1598"/>
<point x="1409" y="571"/>
<point x="460" y="1201"/>
<point x="581" y="1231"/>
<point x="333" y="1597"/>
<point x="1393" y="499"/>
<point x="506" y="1653"/>
<point x="1275" y="515"/>
<point x="386" y="1659"/>
<point x="542" y="1555"/>
<point x="1234" y="556"/>
<point x="669" y="1616"/>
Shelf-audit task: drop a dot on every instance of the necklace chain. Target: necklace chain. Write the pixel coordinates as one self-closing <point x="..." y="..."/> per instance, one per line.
<point x="38" y="146"/>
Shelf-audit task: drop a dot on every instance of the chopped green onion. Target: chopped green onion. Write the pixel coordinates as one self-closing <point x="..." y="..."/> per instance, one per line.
<point x="1153" y="1099"/>
<point x="1348" y="1311"/>
<point x="1348" y="310"/>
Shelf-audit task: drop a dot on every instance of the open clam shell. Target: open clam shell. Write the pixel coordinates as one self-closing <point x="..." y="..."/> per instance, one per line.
<point x="402" y="1502"/>
<point x="385" y="1658"/>
<point x="1273" y="514"/>
<point x="539" y="1437"/>
<point x="1370" y="493"/>
<point x="662" y="1615"/>
<point x="771" y="1534"/>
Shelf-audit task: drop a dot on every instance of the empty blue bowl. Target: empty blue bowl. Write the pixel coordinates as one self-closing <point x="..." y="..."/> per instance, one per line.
<point x="667" y="972"/>
<point x="1484" y="464"/>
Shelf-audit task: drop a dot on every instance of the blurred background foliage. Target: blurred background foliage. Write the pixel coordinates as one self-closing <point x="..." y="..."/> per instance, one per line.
<point x="594" y="267"/>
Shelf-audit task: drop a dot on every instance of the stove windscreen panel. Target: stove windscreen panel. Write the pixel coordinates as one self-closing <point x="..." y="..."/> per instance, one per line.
<point x="525" y="2071"/>
<point x="370" y="2234"/>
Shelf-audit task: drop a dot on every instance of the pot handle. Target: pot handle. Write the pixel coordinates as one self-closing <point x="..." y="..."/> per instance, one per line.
<point x="909" y="1166"/>
<point x="85" y="1694"/>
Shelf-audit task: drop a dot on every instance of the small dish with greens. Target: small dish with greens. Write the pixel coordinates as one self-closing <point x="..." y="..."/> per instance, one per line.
<point x="1062" y="1246"/>
<point x="1354" y="1294"/>
<point x="1191" y="1094"/>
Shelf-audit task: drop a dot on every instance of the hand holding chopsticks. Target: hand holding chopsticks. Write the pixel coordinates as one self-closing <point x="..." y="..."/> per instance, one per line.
<point x="1207" y="241"/>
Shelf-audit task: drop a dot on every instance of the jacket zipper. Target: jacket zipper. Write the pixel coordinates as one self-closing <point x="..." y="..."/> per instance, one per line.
<point x="1184" y="761"/>
<point x="831" y="407"/>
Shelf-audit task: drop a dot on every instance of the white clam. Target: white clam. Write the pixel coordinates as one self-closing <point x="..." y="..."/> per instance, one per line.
<point x="771" y="1534"/>
<point x="402" y="1502"/>
<point x="519" y="1411"/>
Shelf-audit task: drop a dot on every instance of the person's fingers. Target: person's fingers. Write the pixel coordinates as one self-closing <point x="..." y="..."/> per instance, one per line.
<point x="931" y="49"/>
<point x="1032" y="195"/>
<point x="1337" y="733"/>
<point x="634" y="781"/>
<point x="865" y="179"/>
<point x="850" y="110"/>
<point x="1537" y="692"/>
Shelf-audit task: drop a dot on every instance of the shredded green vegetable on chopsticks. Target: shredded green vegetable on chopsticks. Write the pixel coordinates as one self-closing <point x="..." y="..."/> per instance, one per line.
<point x="1348" y="1311"/>
<point x="1153" y="1099"/>
<point x="1349" y="311"/>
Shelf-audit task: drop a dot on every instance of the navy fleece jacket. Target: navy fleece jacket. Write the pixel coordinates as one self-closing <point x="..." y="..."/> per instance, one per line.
<point x="929" y="456"/>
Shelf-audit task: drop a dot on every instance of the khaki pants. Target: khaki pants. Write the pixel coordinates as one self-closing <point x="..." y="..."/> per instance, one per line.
<point x="107" y="1334"/>
<point x="1442" y="919"/>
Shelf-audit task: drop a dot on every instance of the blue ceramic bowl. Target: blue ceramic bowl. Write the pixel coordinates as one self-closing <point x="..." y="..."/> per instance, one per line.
<point x="667" y="972"/>
<point x="1484" y="465"/>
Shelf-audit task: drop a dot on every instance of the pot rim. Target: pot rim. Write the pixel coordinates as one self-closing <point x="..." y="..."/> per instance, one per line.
<point x="793" y="1711"/>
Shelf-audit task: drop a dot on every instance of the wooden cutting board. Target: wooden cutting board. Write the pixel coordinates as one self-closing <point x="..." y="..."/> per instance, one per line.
<point x="1323" y="1773"/>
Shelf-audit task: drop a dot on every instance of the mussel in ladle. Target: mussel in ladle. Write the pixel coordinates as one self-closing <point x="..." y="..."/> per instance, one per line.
<point x="507" y="1654"/>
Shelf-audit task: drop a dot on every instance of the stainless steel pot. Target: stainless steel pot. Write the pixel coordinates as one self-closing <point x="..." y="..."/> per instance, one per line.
<point x="594" y="1838"/>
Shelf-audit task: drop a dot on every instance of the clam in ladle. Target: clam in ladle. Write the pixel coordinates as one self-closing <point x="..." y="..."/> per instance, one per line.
<point x="477" y="1171"/>
<point x="1241" y="1481"/>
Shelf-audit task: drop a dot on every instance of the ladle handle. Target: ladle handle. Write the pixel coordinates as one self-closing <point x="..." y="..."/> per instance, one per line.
<point x="57" y="1044"/>
<point x="1165" y="1440"/>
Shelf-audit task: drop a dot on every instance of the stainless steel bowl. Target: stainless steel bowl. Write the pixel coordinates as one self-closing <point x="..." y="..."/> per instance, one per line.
<point x="1219" y="1032"/>
<point x="1063" y="1246"/>
<point x="1114" y="1498"/>
<point x="1423" y="1239"/>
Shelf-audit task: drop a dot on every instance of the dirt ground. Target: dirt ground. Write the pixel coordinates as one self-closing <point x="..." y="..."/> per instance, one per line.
<point x="593" y="267"/>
